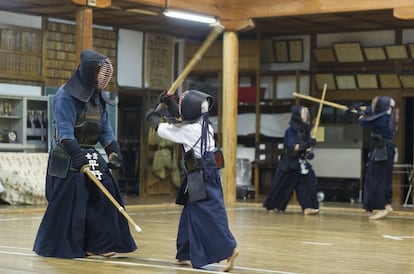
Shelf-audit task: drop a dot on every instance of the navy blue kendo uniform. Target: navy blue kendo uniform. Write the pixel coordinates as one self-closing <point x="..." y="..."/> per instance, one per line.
<point x="294" y="171"/>
<point x="79" y="219"/>
<point x="379" y="118"/>
<point x="203" y="235"/>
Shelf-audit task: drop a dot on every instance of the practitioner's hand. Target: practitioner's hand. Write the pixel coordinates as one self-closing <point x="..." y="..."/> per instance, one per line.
<point x="312" y="142"/>
<point x="169" y="101"/>
<point x="78" y="161"/>
<point x="164" y="98"/>
<point x="73" y="148"/>
<point x="153" y="118"/>
<point x="113" y="151"/>
<point x="310" y="155"/>
<point x="304" y="146"/>
<point x="114" y="160"/>
<point x="356" y="106"/>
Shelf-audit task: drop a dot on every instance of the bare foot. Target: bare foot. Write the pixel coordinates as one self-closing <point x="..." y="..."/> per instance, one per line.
<point x="106" y="255"/>
<point x="379" y="215"/>
<point x="230" y="260"/>
<point x="311" y="211"/>
<point x="183" y="262"/>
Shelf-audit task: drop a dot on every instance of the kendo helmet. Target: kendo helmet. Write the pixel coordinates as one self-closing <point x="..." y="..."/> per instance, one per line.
<point x="382" y="104"/>
<point x="193" y="104"/>
<point x="300" y="117"/>
<point x="93" y="73"/>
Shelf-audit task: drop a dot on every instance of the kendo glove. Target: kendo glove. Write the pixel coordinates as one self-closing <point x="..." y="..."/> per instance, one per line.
<point x="355" y="107"/>
<point x="310" y="155"/>
<point x="304" y="146"/>
<point x="170" y="102"/>
<point x="153" y="118"/>
<point x="307" y="144"/>
<point x="114" y="155"/>
<point x="73" y="149"/>
<point x="312" y="142"/>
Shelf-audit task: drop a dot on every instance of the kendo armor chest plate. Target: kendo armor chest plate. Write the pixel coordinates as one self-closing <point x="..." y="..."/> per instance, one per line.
<point x="88" y="126"/>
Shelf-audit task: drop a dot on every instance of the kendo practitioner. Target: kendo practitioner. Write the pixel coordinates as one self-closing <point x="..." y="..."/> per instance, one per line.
<point x="203" y="236"/>
<point x="379" y="118"/>
<point x="80" y="220"/>
<point x="294" y="172"/>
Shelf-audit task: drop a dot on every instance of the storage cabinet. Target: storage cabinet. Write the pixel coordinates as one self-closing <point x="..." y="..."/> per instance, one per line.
<point x="23" y="123"/>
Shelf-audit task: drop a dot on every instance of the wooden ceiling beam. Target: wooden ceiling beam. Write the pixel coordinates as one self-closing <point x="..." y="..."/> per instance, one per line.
<point x="244" y="9"/>
<point x="266" y="8"/>
<point x="207" y="7"/>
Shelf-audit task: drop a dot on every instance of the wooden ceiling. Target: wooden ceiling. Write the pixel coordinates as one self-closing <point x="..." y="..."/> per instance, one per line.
<point x="146" y="16"/>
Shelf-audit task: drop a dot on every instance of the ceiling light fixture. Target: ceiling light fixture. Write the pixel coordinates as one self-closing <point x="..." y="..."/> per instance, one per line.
<point x="190" y="16"/>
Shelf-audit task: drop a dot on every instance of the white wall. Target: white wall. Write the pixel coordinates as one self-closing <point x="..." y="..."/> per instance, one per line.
<point x="408" y="36"/>
<point x="286" y="86"/>
<point x="20" y="20"/>
<point x="130" y="53"/>
<point x="20" y="90"/>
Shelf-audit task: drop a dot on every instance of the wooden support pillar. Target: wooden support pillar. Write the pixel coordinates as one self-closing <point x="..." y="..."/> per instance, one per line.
<point x="84" y="29"/>
<point x="229" y="114"/>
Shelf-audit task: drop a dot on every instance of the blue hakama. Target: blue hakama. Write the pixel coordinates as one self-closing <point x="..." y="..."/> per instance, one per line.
<point x="204" y="236"/>
<point x="80" y="219"/>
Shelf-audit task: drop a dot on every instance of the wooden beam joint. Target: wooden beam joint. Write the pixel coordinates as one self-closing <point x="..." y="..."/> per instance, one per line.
<point x="94" y="3"/>
<point x="237" y="24"/>
<point x="405" y="13"/>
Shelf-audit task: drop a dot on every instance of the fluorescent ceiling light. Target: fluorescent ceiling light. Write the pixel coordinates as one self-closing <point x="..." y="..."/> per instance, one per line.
<point x="190" y="16"/>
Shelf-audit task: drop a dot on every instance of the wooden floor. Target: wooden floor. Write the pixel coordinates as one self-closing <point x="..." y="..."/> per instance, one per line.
<point x="340" y="239"/>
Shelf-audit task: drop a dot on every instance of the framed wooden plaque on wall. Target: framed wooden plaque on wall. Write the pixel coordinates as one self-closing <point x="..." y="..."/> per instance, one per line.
<point x="367" y="81"/>
<point x="346" y="81"/>
<point x="158" y="59"/>
<point x="411" y="48"/>
<point x="375" y="53"/>
<point x="327" y="78"/>
<point x="407" y="81"/>
<point x="324" y="55"/>
<point x="281" y="51"/>
<point x="396" y="52"/>
<point x="266" y="52"/>
<point x="389" y="80"/>
<point x="348" y="52"/>
<point x="295" y="50"/>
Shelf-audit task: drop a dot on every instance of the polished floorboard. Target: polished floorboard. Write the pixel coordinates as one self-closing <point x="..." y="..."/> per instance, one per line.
<point x="341" y="239"/>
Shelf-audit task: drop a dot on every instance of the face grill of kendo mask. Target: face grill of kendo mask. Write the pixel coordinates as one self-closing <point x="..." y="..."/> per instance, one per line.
<point x="305" y="115"/>
<point x="104" y="74"/>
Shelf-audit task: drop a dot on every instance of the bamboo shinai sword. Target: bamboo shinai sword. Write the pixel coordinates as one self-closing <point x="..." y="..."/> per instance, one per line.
<point x="85" y="169"/>
<point x="216" y="30"/>
<point x="318" y="117"/>
<point x="324" y="102"/>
